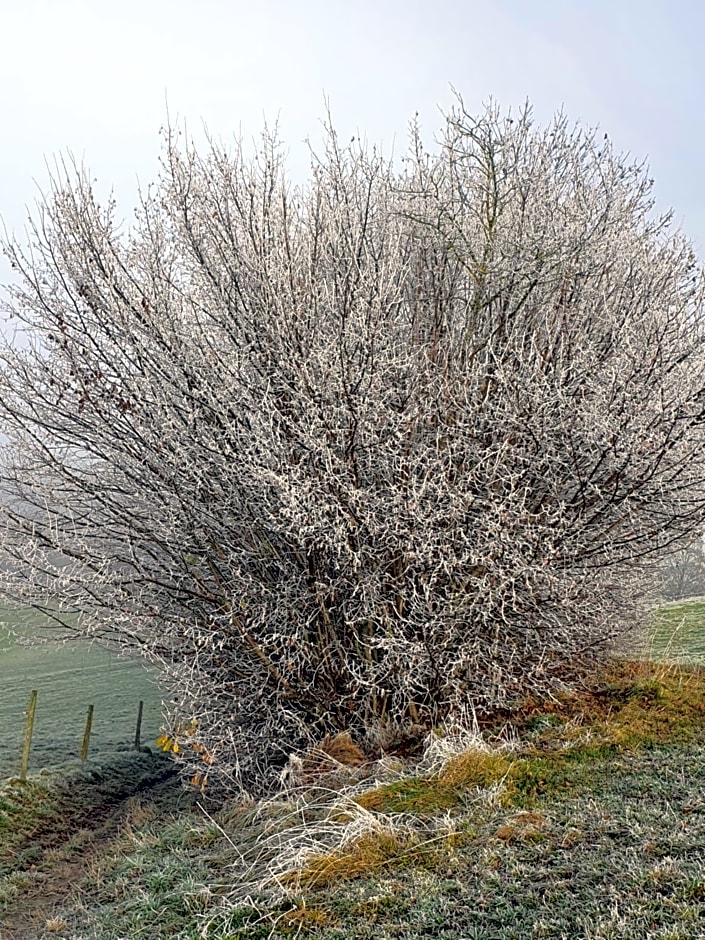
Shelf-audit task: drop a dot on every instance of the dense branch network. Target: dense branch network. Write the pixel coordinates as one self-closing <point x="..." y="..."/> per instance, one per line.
<point x="358" y="454"/>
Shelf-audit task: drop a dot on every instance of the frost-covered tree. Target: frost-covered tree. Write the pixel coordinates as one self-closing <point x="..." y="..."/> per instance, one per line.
<point x="359" y="454"/>
<point x="682" y="573"/>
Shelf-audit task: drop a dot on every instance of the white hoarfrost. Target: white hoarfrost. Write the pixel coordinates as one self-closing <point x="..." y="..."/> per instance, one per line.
<point x="358" y="455"/>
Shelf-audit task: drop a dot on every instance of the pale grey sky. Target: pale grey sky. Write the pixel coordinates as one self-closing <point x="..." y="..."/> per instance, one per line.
<point x="93" y="78"/>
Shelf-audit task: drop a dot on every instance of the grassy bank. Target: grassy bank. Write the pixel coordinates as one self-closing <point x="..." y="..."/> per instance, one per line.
<point x="582" y="818"/>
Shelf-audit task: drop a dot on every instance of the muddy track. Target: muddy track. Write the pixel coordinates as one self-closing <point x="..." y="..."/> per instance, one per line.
<point x="91" y="812"/>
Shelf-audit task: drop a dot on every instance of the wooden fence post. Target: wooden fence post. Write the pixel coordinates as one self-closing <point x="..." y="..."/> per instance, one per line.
<point x="138" y="729"/>
<point x="29" y="728"/>
<point x="87" y="733"/>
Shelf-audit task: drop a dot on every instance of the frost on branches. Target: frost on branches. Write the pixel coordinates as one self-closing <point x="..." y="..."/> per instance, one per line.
<point x="357" y="455"/>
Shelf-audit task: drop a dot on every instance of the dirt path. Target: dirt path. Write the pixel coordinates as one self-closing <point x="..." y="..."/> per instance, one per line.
<point x="92" y="811"/>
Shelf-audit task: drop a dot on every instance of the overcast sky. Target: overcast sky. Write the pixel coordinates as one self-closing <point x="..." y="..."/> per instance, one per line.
<point x="94" y="78"/>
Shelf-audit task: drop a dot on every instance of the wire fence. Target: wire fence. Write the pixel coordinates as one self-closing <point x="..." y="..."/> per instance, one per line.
<point x="60" y="749"/>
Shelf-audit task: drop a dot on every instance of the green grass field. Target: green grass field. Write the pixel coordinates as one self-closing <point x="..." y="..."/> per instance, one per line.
<point x="68" y="678"/>
<point x="678" y="633"/>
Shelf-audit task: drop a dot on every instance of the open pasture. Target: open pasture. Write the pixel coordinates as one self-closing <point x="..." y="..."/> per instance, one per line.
<point x="677" y="634"/>
<point x="68" y="677"/>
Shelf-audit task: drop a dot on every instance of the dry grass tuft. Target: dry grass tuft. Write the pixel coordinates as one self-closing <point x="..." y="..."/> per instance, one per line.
<point x="523" y="827"/>
<point x="56" y="925"/>
<point x="474" y="769"/>
<point x="303" y="918"/>
<point x="371" y="852"/>
<point x="332" y="753"/>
